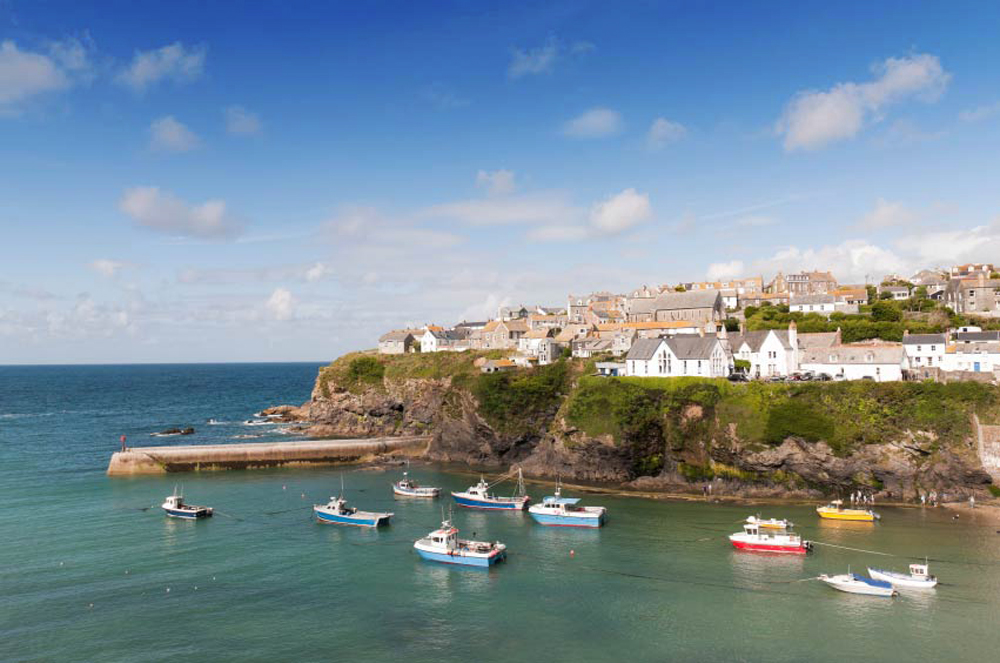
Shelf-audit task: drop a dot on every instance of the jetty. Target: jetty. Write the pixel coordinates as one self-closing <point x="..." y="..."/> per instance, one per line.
<point x="198" y="457"/>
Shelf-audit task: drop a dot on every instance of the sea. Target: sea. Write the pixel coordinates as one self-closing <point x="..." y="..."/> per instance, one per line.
<point x="92" y="570"/>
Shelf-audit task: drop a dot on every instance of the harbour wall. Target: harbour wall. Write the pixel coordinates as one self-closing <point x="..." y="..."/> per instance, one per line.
<point x="160" y="460"/>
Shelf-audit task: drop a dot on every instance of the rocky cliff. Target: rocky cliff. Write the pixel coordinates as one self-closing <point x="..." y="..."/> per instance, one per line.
<point x="896" y="440"/>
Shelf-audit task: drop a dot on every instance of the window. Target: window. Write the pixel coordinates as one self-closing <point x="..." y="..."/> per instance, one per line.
<point x="918" y="348"/>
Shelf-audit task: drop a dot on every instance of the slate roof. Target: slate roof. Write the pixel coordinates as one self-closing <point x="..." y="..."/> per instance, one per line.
<point x="397" y="335"/>
<point x="812" y="299"/>
<point x="969" y="337"/>
<point x="690" y="346"/>
<point x="643" y="349"/>
<point x="752" y="338"/>
<point x="854" y="354"/>
<point x="672" y="301"/>
<point x="923" y="339"/>
<point x="817" y="340"/>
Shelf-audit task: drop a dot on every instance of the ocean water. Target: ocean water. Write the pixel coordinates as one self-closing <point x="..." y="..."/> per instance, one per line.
<point x="91" y="570"/>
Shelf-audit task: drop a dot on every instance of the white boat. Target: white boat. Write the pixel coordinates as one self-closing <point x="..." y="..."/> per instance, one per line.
<point x="918" y="577"/>
<point x="407" y="487"/>
<point x="479" y="496"/>
<point x="852" y="583"/>
<point x="443" y="545"/>
<point x="770" y="523"/>
<point x="560" y="511"/>
<point x="175" y="507"/>
<point x="336" y="512"/>
<point x="258" y="422"/>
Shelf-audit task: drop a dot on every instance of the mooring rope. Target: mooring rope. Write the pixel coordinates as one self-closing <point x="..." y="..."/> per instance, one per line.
<point x="871" y="552"/>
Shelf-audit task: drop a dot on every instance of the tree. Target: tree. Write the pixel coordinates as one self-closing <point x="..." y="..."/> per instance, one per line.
<point x="680" y="288"/>
<point x="886" y="312"/>
<point x="872" y="293"/>
<point x="883" y="296"/>
<point x="732" y="324"/>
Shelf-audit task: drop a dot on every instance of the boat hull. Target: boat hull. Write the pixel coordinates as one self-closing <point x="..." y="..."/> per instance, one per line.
<point x="860" y="588"/>
<point x="335" y="519"/>
<point x="589" y="521"/>
<point x="420" y="492"/>
<point x="899" y="580"/>
<point x="860" y="517"/>
<point x="189" y="515"/>
<point x="462" y="560"/>
<point x="770" y="547"/>
<point x="516" y="504"/>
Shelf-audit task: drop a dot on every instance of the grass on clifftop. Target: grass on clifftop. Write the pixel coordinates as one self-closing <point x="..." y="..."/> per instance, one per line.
<point x="846" y="415"/>
<point x="358" y="371"/>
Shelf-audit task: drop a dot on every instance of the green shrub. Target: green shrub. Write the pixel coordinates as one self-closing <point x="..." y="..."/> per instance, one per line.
<point x="515" y="402"/>
<point x="994" y="490"/>
<point x="797" y="419"/>
<point x="364" y="372"/>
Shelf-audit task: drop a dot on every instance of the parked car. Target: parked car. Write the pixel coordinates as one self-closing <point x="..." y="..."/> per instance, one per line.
<point x="777" y="378"/>
<point x="738" y="377"/>
<point x="822" y="377"/>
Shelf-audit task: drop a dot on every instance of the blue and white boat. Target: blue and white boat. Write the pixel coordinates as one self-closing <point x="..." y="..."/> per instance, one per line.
<point x="336" y="512"/>
<point x="175" y="507"/>
<point x="479" y="496"/>
<point x="559" y="511"/>
<point x="852" y="583"/>
<point x="443" y="545"/>
<point x="407" y="487"/>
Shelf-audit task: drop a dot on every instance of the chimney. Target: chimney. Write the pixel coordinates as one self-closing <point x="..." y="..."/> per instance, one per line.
<point x="837" y="340"/>
<point x="701" y="332"/>
<point x="793" y="335"/>
<point x="742" y="328"/>
<point x="906" y="332"/>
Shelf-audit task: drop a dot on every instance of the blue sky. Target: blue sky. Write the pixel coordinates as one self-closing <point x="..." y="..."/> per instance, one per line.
<point x="285" y="181"/>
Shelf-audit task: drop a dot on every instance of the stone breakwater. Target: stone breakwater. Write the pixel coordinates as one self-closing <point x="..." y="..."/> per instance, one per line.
<point x="160" y="460"/>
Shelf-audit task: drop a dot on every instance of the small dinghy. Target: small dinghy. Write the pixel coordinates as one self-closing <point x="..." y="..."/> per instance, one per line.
<point x="336" y="512"/>
<point x="918" y="578"/>
<point x="770" y="523"/>
<point x="559" y="511"/>
<point x="443" y="545"/>
<point x="479" y="496"/>
<point x="175" y="507"/>
<point x="407" y="487"/>
<point x="752" y="539"/>
<point x="852" y="583"/>
<point x="258" y="422"/>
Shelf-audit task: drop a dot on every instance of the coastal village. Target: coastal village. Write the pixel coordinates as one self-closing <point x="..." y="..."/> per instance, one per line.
<point x="728" y="329"/>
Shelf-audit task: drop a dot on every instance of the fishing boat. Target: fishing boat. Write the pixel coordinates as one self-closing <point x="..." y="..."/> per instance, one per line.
<point x="559" y="511"/>
<point x="443" y="545"/>
<point x="258" y="422"/>
<point x="770" y="523"/>
<point x="175" y="507"/>
<point x="852" y="583"/>
<point x="336" y="512"/>
<point x="751" y="538"/>
<point x="835" y="511"/>
<point x="479" y="496"/>
<point x="407" y="487"/>
<point x="917" y="578"/>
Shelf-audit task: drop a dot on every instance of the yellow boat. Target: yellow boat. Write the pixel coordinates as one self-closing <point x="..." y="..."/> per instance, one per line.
<point x="835" y="511"/>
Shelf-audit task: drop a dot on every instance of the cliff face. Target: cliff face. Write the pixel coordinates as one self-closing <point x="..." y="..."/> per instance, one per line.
<point x="764" y="440"/>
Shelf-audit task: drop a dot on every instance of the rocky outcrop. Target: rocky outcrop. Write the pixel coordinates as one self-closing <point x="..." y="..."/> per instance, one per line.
<point x="899" y="468"/>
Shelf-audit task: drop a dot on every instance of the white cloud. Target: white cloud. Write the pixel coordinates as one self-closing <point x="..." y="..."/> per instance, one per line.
<point x="663" y="132"/>
<point x="620" y="212"/>
<point x="364" y="226"/>
<point x="496" y="183"/>
<point x="242" y="122"/>
<point x="318" y="272"/>
<point x="162" y="211"/>
<point x="886" y="214"/>
<point x="280" y="305"/>
<point x="721" y="271"/>
<point x="595" y="123"/>
<point x="25" y="75"/>
<point x="539" y="60"/>
<point x="851" y="261"/>
<point x="612" y="216"/>
<point x="980" y="113"/>
<point x="978" y="244"/>
<point x="542" y="59"/>
<point x="167" y="134"/>
<point x="107" y="268"/>
<point x="815" y="118"/>
<point x="175" y="62"/>
<point x="443" y="97"/>
<point x="542" y="208"/>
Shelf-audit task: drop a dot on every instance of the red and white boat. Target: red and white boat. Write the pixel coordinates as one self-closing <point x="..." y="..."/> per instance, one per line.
<point x="751" y="538"/>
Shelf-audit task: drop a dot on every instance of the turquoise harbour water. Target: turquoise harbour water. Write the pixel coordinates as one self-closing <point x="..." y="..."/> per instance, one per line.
<point x="86" y="565"/>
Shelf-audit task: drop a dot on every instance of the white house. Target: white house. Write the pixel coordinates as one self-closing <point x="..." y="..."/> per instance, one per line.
<point x="705" y="356"/>
<point x="973" y="351"/>
<point x="770" y="352"/>
<point x="924" y="350"/>
<point x="882" y="362"/>
<point x="443" y="340"/>
<point x="530" y="343"/>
